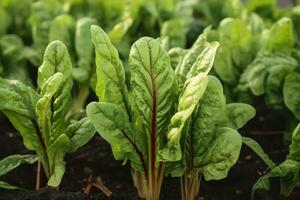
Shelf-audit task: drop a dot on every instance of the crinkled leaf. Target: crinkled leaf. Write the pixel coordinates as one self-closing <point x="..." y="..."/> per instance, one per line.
<point x="281" y="36"/>
<point x="193" y="89"/>
<point x="291" y="93"/>
<point x="44" y="104"/>
<point x="236" y="115"/>
<point x="255" y="76"/>
<point x="210" y="109"/>
<point x="274" y="85"/>
<point x="192" y="93"/>
<point x="204" y="61"/>
<point x="222" y="154"/>
<point x="56" y="59"/>
<point x="190" y="57"/>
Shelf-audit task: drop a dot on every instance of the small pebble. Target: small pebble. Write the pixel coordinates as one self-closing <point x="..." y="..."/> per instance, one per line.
<point x="249" y="157"/>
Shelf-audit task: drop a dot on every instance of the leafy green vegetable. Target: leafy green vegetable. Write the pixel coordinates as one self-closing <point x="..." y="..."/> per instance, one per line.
<point x="134" y="118"/>
<point x="210" y="144"/>
<point x="11" y="162"/>
<point x="13" y="58"/>
<point x="287" y="171"/>
<point x="40" y="115"/>
<point x="291" y="93"/>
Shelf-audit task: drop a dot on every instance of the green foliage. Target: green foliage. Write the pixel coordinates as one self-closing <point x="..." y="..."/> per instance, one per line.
<point x="9" y="163"/>
<point x="187" y="104"/>
<point x="40" y="116"/>
<point x="287" y="172"/>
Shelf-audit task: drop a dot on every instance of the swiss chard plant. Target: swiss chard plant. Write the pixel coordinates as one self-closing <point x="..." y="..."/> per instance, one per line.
<point x="274" y="72"/>
<point x="254" y="61"/>
<point x="146" y="118"/>
<point x="9" y="163"/>
<point x="288" y="172"/>
<point x="40" y="115"/>
<point x="202" y="140"/>
<point x="209" y="144"/>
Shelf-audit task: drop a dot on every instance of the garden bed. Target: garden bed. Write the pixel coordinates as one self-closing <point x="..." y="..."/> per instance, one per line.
<point x="96" y="159"/>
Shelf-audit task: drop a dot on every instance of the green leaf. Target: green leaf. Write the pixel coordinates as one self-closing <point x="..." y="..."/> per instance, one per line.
<point x="44" y="104"/>
<point x="3" y="21"/>
<point x="193" y="90"/>
<point x="236" y="50"/>
<point x="252" y="144"/>
<point x="40" y="22"/>
<point x="55" y="84"/>
<point x="56" y="59"/>
<point x="62" y="28"/>
<point x="222" y="154"/>
<point x="281" y="36"/>
<point x="288" y="172"/>
<point x="18" y="104"/>
<point x="80" y="133"/>
<point x="120" y="29"/>
<point x="291" y="96"/>
<point x="110" y="85"/>
<point x="12" y="55"/>
<point x="84" y="49"/>
<point x="190" y="57"/>
<point x="203" y="125"/>
<point x="191" y="94"/>
<point x="56" y="153"/>
<point x="112" y="123"/>
<point x="176" y="56"/>
<point x="173" y="31"/>
<point x="255" y="76"/>
<point x="204" y="61"/>
<point x="294" y="148"/>
<point x="7" y="186"/>
<point x="152" y="85"/>
<point x="274" y="85"/>
<point x="11" y="162"/>
<point x="236" y="115"/>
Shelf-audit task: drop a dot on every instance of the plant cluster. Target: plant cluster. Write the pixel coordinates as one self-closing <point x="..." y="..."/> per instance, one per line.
<point x="170" y="100"/>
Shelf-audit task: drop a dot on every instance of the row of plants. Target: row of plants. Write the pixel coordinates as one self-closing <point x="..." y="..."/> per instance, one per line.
<point x="170" y="104"/>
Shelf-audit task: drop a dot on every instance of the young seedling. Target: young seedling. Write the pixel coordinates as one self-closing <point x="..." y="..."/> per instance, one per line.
<point x="40" y="116"/>
<point x="135" y="117"/>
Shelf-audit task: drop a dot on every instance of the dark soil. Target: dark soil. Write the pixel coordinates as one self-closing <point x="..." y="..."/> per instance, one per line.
<point x="96" y="159"/>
